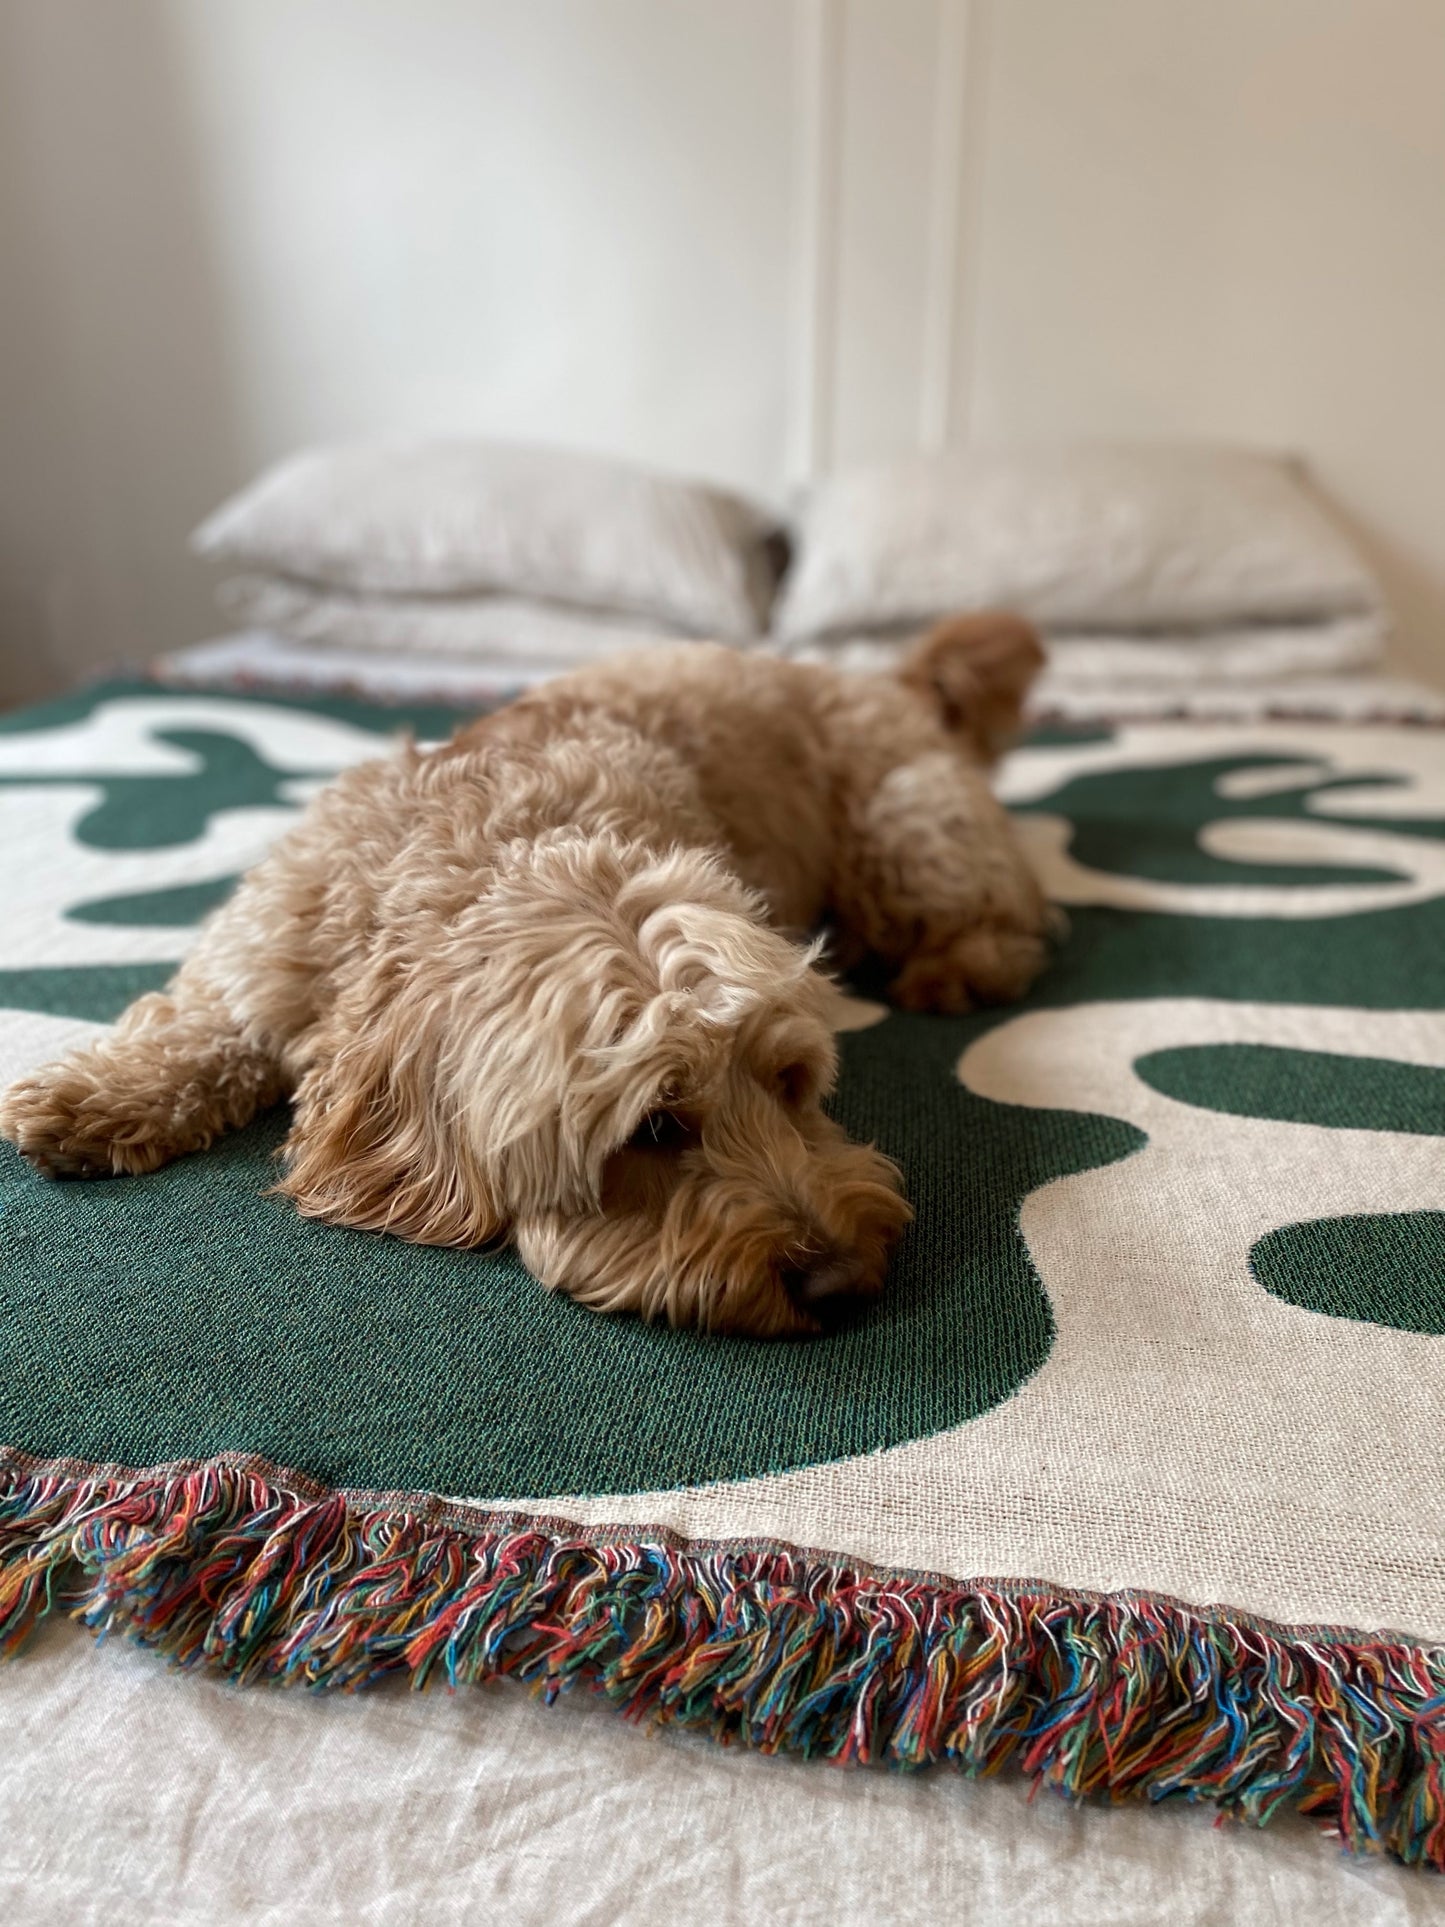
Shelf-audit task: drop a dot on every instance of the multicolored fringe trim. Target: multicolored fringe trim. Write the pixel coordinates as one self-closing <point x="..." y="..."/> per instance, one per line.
<point x="260" y="1576"/>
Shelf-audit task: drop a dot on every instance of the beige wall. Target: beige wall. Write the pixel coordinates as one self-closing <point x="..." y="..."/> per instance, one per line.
<point x="116" y="393"/>
<point x="715" y="237"/>
<point x="1228" y="219"/>
<point x="231" y="226"/>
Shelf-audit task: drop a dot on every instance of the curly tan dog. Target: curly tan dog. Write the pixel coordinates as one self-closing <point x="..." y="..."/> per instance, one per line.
<point x="550" y="981"/>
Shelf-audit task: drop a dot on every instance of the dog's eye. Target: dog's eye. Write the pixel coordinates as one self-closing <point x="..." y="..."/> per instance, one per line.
<point x="794" y="1083"/>
<point x="661" y="1131"/>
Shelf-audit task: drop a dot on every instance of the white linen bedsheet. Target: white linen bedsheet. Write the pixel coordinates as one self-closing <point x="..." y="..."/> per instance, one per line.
<point x="1081" y="688"/>
<point x="130" y="1794"/>
<point x="253" y="656"/>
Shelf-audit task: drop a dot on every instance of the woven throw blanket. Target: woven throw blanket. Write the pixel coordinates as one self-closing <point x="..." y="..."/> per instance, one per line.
<point x="1133" y="1479"/>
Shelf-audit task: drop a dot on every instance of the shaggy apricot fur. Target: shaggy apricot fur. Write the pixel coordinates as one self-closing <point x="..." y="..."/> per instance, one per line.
<point x="551" y="980"/>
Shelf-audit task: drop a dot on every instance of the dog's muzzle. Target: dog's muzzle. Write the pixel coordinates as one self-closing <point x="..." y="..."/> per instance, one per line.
<point x="826" y="1287"/>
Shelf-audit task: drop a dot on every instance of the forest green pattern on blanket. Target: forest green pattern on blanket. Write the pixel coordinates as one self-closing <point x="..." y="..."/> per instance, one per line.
<point x="1172" y="1315"/>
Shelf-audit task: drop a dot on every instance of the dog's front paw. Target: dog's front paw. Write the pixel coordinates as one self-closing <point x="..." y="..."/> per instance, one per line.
<point x="989" y="964"/>
<point x="59" y="1121"/>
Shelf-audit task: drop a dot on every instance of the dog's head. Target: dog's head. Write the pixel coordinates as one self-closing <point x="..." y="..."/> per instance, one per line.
<point x="613" y="1060"/>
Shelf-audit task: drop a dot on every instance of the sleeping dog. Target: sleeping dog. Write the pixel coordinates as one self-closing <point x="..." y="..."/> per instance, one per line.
<point x="554" y="982"/>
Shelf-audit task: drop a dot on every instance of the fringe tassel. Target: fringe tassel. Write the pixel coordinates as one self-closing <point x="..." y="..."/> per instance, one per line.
<point x="221" y="1566"/>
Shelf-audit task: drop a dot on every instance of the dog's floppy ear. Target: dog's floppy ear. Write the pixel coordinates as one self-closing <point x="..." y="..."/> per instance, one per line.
<point x="977" y="670"/>
<point x="370" y="1146"/>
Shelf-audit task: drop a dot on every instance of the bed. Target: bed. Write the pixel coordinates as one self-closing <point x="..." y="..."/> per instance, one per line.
<point x="1252" y="871"/>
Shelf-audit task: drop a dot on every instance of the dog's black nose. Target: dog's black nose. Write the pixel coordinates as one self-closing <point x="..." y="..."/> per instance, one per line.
<point x="826" y="1286"/>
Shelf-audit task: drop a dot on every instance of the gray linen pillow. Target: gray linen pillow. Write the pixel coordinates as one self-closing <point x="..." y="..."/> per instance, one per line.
<point x="1153" y="538"/>
<point x="443" y="518"/>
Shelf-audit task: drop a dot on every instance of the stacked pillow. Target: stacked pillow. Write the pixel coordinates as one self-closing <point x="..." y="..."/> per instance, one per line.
<point x="1142" y="564"/>
<point x="472" y="547"/>
<point x="1138" y="562"/>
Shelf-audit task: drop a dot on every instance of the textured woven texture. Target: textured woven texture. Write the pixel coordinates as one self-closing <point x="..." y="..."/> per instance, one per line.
<point x="1169" y="1322"/>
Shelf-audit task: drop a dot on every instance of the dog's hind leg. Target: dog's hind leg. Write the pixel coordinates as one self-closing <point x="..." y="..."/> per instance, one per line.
<point x="928" y="875"/>
<point x="932" y="880"/>
<point x="176" y="1071"/>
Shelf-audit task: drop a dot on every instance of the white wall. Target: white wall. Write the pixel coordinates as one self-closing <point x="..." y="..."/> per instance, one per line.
<point x="116" y="396"/>
<point x="230" y="226"/>
<point x="1228" y="219"/>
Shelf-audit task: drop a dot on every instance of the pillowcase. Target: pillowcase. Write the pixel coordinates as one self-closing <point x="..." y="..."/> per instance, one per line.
<point x="462" y="517"/>
<point x="1086" y="537"/>
<point x="496" y="628"/>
